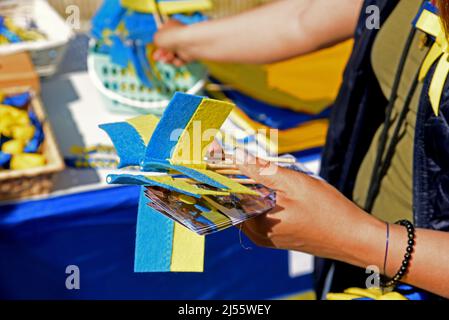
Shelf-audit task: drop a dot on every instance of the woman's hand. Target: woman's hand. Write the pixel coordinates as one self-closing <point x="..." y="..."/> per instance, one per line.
<point x="167" y="50"/>
<point x="313" y="217"/>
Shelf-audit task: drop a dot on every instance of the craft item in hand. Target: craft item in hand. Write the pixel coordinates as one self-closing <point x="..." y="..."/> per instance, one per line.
<point x="166" y="160"/>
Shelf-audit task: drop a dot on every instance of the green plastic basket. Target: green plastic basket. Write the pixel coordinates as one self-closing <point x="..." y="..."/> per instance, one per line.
<point x="123" y="92"/>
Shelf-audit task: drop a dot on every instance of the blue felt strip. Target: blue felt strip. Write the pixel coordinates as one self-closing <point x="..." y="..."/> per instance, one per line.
<point x="140" y="27"/>
<point x="119" y="52"/>
<point x="154" y="239"/>
<point x="127" y="141"/>
<point x="107" y="17"/>
<point x="191" y="173"/>
<point x="177" y="116"/>
<point x="126" y="179"/>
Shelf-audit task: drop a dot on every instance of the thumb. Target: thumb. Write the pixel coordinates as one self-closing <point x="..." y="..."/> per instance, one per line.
<point x="262" y="171"/>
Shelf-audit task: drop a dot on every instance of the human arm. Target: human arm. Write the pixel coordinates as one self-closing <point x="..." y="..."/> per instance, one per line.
<point x="273" y="32"/>
<point x="313" y="217"/>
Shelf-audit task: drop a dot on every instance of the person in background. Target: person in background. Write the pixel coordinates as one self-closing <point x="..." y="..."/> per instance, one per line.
<point x="386" y="158"/>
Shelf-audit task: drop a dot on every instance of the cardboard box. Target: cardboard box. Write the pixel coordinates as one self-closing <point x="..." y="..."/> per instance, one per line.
<point x="17" y="70"/>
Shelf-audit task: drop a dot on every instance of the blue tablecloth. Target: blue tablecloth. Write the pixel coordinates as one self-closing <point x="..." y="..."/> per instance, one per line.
<point x="96" y="232"/>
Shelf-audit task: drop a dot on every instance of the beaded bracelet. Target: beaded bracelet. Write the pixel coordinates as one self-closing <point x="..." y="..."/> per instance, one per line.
<point x="407" y="257"/>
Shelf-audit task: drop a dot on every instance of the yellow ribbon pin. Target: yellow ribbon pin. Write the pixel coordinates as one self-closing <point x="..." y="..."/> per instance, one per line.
<point x="431" y="24"/>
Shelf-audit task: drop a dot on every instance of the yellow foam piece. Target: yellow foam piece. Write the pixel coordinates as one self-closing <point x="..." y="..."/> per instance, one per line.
<point x="13" y="147"/>
<point x="27" y="161"/>
<point x="309" y="83"/>
<point x="169" y="7"/>
<point x="313" y="77"/>
<point x="307" y="136"/>
<point x="24" y="133"/>
<point x="145" y="126"/>
<point x="200" y="132"/>
<point x="188" y="250"/>
<point x="184" y="186"/>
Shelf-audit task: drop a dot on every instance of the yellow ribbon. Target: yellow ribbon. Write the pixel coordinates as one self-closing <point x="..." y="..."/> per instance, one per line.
<point x="372" y="293"/>
<point x="431" y="24"/>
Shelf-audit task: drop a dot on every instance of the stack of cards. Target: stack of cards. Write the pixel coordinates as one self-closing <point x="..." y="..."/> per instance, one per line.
<point x="210" y="214"/>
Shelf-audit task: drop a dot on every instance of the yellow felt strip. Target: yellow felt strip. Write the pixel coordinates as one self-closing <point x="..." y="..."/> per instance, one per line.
<point x="184" y="186"/>
<point x="233" y="186"/>
<point x="438" y="81"/>
<point x="252" y="81"/>
<point x="430" y="23"/>
<point x="200" y="132"/>
<point x="217" y="218"/>
<point x="433" y="55"/>
<point x="188" y="250"/>
<point x="145" y="126"/>
<point x="308" y="135"/>
<point x="312" y="77"/>
<point x="168" y="7"/>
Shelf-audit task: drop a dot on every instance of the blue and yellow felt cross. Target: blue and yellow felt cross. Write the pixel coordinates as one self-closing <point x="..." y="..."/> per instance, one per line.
<point x="176" y="143"/>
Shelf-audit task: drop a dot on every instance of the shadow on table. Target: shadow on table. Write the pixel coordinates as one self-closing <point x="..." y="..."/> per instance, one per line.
<point x="57" y="94"/>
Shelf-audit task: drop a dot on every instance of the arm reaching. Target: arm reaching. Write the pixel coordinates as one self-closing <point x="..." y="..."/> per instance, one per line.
<point x="270" y="33"/>
<point x="313" y="217"/>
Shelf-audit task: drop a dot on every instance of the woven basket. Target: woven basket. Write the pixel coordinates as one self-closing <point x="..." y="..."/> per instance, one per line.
<point x="19" y="184"/>
<point x="46" y="54"/>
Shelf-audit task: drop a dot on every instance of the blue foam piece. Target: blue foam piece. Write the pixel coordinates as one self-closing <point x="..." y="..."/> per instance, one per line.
<point x="107" y="17"/>
<point x="34" y="144"/>
<point x="191" y="173"/>
<point x="197" y="17"/>
<point x="139" y="60"/>
<point x="126" y="179"/>
<point x="141" y="27"/>
<point x="119" y="53"/>
<point x="18" y="100"/>
<point x="154" y="239"/>
<point x="5" y="158"/>
<point x="128" y="143"/>
<point x="177" y="116"/>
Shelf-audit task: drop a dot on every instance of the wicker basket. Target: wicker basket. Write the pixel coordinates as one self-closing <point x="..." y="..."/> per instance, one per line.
<point x="46" y="54"/>
<point x="19" y="184"/>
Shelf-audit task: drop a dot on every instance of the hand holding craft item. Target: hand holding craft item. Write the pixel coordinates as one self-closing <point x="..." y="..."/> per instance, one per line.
<point x="207" y="203"/>
<point x="20" y="134"/>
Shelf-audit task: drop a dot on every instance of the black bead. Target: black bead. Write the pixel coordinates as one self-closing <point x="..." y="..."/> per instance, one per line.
<point x="409" y="249"/>
<point x="411" y="242"/>
<point x="404" y="268"/>
<point x="407" y="256"/>
<point x="411" y="236"/>
<point x="405" y="263"/>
